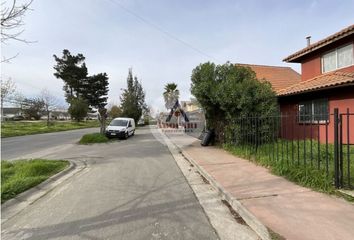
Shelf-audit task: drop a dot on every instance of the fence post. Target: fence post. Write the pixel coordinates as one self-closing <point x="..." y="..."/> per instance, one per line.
<point x="340" y="150"/>
<point x="336" y="149"/>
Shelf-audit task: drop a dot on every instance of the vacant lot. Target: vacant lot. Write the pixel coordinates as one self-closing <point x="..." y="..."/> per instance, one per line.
<point x="18" y="176"/>
<point x="11" y="129"/>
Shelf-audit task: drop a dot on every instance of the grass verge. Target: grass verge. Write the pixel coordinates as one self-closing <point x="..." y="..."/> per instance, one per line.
<point x="93" y="138"/>
<point x="18" y="176"/>
<point x="12" y="129"/>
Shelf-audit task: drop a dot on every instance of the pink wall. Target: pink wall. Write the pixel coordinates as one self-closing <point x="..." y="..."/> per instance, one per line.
<point x="341" y="98"/>
<point x="311" y="68"/>
<point x="311" y="64"/>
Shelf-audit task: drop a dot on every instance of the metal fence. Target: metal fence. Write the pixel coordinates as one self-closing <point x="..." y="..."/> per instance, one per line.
<point x="316" y="142"/>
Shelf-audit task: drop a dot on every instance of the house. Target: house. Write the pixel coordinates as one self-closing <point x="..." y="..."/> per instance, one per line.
<point x="12" y="113"/>
<point x="327" y="83"/>
<point x="189" y="106"/>
<point x="279" y="77"/>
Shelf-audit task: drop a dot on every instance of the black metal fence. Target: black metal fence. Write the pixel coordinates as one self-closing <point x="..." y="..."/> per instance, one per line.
<point x="319" y="143"/>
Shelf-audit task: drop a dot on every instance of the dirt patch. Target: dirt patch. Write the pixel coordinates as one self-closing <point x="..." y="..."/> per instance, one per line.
<point x="237" y="217"/>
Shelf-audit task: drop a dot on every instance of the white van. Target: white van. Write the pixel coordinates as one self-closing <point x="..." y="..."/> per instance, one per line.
<point x="121" y="127"/>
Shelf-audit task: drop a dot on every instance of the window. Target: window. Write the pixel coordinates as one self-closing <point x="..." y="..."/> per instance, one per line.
<point x="339" y="58"/>
<point x="313" y="111"/>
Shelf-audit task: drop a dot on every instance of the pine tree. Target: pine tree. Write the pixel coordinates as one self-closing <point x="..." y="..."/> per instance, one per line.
<point x="133" y="98"/>
<point x="73" y="71"/>
<point x="95" y="91"/>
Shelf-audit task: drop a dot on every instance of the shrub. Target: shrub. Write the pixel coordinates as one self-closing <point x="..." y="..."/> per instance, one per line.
<point x="78" y="109"/>
<point x="93" y="138"/>
<point x="228" y="91"/>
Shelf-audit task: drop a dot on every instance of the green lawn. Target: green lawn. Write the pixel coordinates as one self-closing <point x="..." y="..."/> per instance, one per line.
<point x="18" y="176"/>
<point x="93" y="138"/>
<point x="303" y="162"/>
<point x="11" y="129"/>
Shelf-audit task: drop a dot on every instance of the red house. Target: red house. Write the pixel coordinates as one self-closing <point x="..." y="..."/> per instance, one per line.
<point x="327" y="82"/>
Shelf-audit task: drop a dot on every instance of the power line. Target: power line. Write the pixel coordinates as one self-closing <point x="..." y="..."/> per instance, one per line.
<point x="163" y="31"/>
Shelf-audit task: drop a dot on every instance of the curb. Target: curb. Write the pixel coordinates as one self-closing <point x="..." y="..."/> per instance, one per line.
<point x="249" y="218"/>
<point x="15" y="205"/>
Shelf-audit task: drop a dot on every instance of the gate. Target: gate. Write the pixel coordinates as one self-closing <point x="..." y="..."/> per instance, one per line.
<point x="343" y="149"/>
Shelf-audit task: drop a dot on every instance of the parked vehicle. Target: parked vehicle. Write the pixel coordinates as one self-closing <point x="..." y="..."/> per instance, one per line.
<point x="121" y="128"/>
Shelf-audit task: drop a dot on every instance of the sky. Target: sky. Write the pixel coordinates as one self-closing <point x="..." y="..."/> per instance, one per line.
<point x="163" y="40"/>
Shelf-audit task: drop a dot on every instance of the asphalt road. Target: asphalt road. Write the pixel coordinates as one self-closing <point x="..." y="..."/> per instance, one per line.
<point x="16" y="147"/>
<point x="131" y="189"/>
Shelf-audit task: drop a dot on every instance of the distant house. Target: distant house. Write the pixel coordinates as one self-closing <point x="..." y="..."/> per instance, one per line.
<point x="11" y="112"/>
<point x="327" y="82"/>
<point x="189" y="106"/>
<point x="60" y="115"/>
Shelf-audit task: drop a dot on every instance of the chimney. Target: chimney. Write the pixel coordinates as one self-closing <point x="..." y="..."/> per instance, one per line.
<point x="308" y="38"/>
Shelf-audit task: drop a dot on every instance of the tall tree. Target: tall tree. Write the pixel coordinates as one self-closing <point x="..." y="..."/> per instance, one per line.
<point x="170" y="95"/>
<point x="73" y="71"/>
<point x="133" y="98"/>
<point x="95" y="91"/>
<point x="115" y="111"/>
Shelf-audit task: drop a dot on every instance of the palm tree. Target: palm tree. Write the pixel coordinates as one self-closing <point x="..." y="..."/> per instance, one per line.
<point x="170" y="95"/>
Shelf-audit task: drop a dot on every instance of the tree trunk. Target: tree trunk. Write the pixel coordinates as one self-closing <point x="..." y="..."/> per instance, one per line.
<point x="103" y="124"/>
<point x="48" y="113"/>
<point x="2" y="110"/>
<point x="102" y="119"/>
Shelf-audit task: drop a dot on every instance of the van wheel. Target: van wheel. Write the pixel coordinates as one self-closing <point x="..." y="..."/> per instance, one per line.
<point x="133" y="133"/>
<point x="126" y="135"/>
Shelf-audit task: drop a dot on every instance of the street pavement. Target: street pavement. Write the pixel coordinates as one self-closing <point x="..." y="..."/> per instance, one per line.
<point x="16" y="147"/>
<point x="130" y="189"/>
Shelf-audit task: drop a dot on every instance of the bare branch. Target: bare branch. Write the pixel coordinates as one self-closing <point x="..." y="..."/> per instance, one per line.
<point x="8" y="60"/>
<point x="12" y="23"/>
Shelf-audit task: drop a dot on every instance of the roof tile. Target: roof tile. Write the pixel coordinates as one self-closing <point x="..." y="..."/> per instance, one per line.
<point x="279" y="77"/>
<point x="327" y="80"/>
<point x="334" y="37"/>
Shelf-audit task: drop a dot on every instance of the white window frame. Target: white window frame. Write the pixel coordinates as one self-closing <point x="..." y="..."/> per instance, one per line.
<point x="336" y="51"/>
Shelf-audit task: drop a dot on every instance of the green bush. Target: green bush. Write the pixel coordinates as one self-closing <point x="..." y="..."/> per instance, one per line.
<point x="18" y="176"/>
<point x="228" y="91"/>
<point x="93" y="138"/>
<point x="78" y="109"/>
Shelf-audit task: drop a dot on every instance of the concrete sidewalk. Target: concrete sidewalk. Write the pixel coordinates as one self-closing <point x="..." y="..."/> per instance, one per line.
<point x="290" y="210"/>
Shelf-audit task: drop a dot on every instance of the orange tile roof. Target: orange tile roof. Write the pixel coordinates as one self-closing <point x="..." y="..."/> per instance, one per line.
<point x="317" y="45"/>
<point x="327" y="80"/>
<point x="279" y="77"/>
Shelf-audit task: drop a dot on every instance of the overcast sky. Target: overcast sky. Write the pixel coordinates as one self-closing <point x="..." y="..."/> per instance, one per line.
<point x="163" y="40"/>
